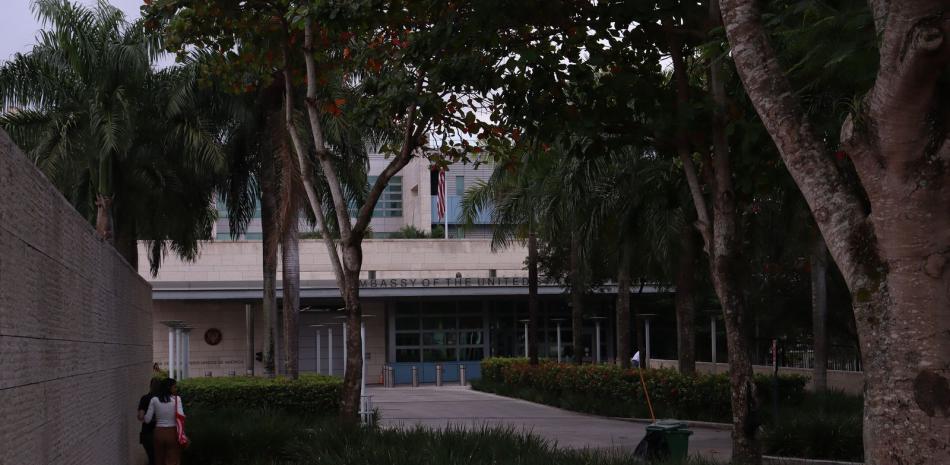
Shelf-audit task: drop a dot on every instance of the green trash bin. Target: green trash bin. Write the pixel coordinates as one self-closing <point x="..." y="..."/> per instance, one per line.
<point x="677" y="437"/>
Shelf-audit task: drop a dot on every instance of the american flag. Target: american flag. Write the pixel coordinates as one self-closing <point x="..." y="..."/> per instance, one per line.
<point x="441" y="194"/>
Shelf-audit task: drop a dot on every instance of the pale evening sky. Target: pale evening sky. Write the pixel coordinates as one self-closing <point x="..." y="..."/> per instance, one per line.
<point x="18" y="24"/>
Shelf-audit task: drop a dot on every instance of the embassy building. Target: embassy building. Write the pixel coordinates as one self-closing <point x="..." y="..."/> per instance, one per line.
<point x="426" y="302"/>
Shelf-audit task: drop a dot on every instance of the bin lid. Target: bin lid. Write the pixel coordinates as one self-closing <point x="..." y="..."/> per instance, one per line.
<point x="667" y="425"/>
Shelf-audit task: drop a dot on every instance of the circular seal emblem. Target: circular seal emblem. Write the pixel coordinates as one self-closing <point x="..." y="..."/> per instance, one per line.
<point x="213" y="336"/>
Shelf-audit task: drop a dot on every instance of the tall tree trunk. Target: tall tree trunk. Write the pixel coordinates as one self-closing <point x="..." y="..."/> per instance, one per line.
<point x="352" y="382"/>
<point x="532" y="298"/>
<point x="685" y="302"/>
<point x="104" y="220"/>
<point x="269" y="242"/>
<point x="290" y="273"/>
<point x="819" y="313"/>
<point x="725" y="275"/>
<point x="577" y="301"/>
<point x="127" y="245"/>
<point x="893" y="258"/>
<point x="623" y="304"/>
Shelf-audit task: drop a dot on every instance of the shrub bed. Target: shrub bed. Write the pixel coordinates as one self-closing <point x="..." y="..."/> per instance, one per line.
<point x="309" y="395"/>
<point x="826" y="426"/>
<point x="257" y="437"/>
<point x="609" y="390"/>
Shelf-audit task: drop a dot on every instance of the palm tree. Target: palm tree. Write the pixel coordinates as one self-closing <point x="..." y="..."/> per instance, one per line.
<point x="130" y="147"/>
<point x="534" y="199"/>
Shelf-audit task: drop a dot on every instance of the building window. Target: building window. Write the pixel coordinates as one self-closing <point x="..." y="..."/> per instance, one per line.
<point x="439" y="332"/>
<point x="390" y="201"/>
<point x="372" y="274"/>
<point x="460" y="186"/>
<point x="492" y="273"/>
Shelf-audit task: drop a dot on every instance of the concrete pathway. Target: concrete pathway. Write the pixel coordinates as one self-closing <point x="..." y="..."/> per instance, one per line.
<point x="438" y="407"/>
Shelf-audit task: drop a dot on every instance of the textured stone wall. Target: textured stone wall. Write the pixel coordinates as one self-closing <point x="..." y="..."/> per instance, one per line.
<point x="75" y="330"/>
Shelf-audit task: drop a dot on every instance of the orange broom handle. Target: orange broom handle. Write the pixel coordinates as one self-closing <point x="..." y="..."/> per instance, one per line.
<point x="646" y="393"/>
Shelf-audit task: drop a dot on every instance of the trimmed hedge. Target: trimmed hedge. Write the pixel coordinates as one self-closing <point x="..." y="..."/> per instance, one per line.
<point x="609" y="390"/>
<point x="309" y="395"/>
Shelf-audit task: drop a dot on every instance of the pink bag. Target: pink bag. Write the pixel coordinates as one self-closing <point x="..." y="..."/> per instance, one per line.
<point x="180" y="426"/>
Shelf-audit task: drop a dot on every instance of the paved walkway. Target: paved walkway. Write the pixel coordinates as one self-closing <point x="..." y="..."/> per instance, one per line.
<point x="438" y="407"/>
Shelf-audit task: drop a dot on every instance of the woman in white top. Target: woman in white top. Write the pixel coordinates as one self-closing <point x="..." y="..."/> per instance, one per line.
<point x="162" y="408"/>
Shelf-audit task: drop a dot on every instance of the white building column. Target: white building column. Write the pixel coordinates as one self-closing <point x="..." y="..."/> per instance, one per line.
<point x="186" y="353"/>
<point x="525" y="337"/>
<point x="330" y="350"/>
<point x="558" y="321"/>
<point x="171" y="351"/>
<point x="596" y="354"/>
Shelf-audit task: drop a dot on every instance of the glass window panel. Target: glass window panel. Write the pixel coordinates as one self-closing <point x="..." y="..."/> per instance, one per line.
<point x="471" y="337"/>
<point x="471" y="354"/>
<point x="470" y="307"/>
<point x="439" y="355"/>
<point x="407" y="308"/>
<point x="407" y="339"/>
<point x="470" y="322"/>
<point x="460" y="186"/>
<point x="407" y="355"/>
<point x="440" y="308"/>
<point x="439" y="322"/>
<point x="407" y="324"/>
<point x="439" y="338"/>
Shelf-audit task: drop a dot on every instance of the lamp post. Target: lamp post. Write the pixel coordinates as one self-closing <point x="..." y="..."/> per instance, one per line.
<point x="597" y="320"/>
<point x="557" y="321"/>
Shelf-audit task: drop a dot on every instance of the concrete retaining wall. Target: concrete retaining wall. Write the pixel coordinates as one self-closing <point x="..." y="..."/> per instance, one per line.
<point x="848" y="381"/>
<point x="75" y="330"/>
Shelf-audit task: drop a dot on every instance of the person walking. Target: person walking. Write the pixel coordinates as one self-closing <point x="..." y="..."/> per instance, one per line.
<point x="146" y="435"/>
<point x="163" y="408"/>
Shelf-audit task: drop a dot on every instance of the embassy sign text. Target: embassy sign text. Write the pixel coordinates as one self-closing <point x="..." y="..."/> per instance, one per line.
<point x="443" y="282"/>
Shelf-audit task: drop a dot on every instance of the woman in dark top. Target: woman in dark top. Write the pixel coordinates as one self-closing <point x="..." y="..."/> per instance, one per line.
<point x="146" y="436"/>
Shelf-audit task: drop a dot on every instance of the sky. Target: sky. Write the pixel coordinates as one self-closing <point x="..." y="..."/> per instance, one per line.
<point x="18" y="25"/>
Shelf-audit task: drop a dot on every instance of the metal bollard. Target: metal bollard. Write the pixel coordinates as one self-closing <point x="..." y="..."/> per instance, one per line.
<point x="390" y="377"/>
<point x="438" y="375"/>
<point x="415" y="376"/>
<point x="462" y="380"/>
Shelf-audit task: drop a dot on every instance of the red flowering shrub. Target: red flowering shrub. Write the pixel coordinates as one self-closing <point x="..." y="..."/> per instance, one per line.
<point x="609" y="390"/>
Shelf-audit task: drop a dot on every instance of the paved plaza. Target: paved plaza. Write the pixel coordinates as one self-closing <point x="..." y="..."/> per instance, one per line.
<point x="438" y="407"/>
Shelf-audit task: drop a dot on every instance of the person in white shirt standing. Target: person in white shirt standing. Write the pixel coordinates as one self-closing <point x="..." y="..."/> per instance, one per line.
<point x="163" y="408"/>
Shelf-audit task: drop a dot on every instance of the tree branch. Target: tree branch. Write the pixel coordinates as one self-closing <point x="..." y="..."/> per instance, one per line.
<point x="409" y="143"/>
<point x="307" y="172"/>
<point x="681" y="83"/>
<point x="914" y="53"/>
<point x="319" y="143"/>
<point x="837" y="208"/>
